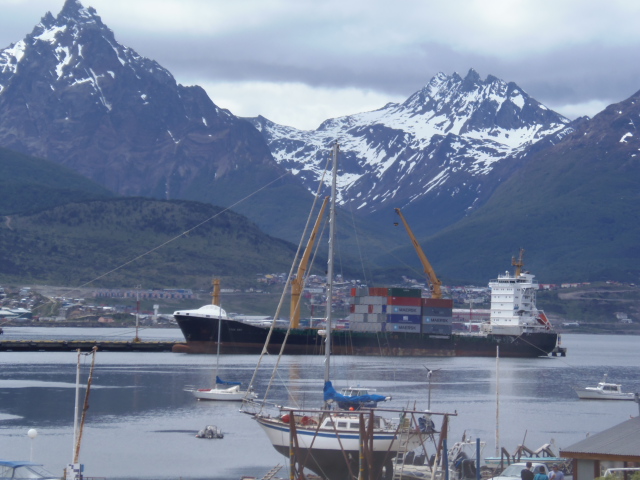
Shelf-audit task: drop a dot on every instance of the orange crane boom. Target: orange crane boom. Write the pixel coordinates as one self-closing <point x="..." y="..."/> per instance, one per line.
<point x="297" y="284"/>
<point x="435" y="283"/>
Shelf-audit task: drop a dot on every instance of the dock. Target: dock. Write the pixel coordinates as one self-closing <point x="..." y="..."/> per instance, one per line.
<point x="84" y="345"/>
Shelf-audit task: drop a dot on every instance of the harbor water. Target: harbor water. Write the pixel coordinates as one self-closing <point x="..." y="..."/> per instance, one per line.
<point x="141" y="423"/>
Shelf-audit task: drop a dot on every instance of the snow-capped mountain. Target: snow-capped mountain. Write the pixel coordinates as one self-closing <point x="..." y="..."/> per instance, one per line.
<point x="70" y="93"/>
<point x="443" y="145"/>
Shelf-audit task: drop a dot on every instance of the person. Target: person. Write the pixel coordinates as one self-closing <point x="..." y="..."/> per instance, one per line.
<point x="556" y="473"/>
<point x="526" y="473"/>
<point x="541" y="475"/>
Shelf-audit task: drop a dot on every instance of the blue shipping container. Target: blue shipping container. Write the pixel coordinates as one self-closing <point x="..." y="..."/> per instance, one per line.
<point x="398" y="318"/>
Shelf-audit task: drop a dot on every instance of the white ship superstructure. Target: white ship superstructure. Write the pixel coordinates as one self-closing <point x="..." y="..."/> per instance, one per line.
<point x="513" y="303"/>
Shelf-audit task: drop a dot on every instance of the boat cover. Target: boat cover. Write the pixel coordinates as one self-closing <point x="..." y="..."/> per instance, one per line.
<point x="331" y="394"/>
<point x="219" y="381"/>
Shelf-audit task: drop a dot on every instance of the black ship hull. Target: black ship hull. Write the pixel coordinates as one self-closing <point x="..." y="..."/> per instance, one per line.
<point x="241" y="338"/>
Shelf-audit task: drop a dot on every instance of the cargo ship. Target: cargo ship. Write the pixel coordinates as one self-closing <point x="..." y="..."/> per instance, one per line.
<point x="391" y="322"/>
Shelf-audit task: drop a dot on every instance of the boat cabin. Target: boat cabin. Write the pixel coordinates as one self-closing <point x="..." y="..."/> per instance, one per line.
<point x="609" y="387"/>
<point x="349" y="422"/>
<point x="355" y="391"/>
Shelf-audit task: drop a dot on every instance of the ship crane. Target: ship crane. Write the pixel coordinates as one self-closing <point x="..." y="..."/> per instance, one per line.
<point x="297" y="284"/>
<point x="518" y="263"/>
<point x="435" y="283"/>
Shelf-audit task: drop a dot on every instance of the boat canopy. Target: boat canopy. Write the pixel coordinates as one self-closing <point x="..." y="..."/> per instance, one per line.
<point x="330" y="393"/>
<point x="219" y="381"/>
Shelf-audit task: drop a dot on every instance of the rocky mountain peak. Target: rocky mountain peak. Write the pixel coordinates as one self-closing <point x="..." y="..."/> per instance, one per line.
<point x="119" y="118"/>
<point x="73" y="16"/>
<point x="471" y="81"/>
<point x="448" y="145"/>
<point x="73" y="9"/>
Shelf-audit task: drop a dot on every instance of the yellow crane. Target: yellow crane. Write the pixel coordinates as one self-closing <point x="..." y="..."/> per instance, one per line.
<point x="518" y="263"/>
<point x="297" y="284"/>
<point x="215" y="296"/>
<point x="428" y="269"/>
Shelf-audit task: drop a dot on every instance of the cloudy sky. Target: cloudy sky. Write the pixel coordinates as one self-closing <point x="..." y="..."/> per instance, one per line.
<point x="299" y="62"/>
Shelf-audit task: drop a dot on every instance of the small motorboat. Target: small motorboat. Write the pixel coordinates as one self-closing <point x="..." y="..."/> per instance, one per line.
<point x="604" y="391"/>
<point x="23" y="469"/>
<point x="210" y="431"/>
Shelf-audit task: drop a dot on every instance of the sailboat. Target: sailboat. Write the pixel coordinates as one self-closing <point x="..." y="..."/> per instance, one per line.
<point x="223" y="390"/>
<point x="335" y="443"/>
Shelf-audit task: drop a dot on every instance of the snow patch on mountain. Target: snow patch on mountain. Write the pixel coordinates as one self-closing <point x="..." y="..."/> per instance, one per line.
<point x="452" y="130"/>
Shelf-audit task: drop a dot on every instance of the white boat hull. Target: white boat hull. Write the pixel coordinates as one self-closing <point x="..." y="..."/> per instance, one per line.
<point x="327" y="439"/>
<point x="222" y="394"/>
<point x="593" y="394"/>
<point x="326" y="451"/>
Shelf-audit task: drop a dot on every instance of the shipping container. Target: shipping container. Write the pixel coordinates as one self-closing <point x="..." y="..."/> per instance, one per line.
<point x="415" y="319"/>
<point x="403" y="327"/>
<point x="408" y="301"/>
<point x="436" y="329"/>
<point x="405" y="309"/>
<point x="361" y="309"/>
<point x="437" y="312"/>
<point x="405" y="292"/>
<point x="373" y="300"/>
<point x="366" y="327"/>
<point x="359" y="291"/>
<point x="437" y="302"/>
<point x="376" y="317"/>
<point x="357" y="317"/>
<point x="436" y="320"/>
<point x="379" y="291"/>
<point x="377" y="308"/>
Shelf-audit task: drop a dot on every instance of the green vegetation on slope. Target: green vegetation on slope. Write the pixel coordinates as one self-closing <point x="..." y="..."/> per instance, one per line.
<point x="29" y="184"/>
<point x="131" y="241"/>
<point x="575" y="209"/>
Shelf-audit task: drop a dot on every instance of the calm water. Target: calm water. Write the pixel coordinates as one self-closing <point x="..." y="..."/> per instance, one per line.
<point x="141" y="423"/>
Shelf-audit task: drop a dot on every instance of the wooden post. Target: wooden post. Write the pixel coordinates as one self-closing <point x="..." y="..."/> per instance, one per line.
<point x="292" y="456"/>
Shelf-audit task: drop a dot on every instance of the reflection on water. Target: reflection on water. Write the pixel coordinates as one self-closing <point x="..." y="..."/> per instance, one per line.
<point x="142" y="424"/>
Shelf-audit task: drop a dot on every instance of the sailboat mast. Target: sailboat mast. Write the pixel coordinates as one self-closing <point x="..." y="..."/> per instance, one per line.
<point x="332" y="236"/>
<point x="215" y="376"/>
<point x="75" y="411"/>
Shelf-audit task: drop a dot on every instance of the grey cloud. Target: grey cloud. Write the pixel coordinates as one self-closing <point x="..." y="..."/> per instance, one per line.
<point x="298" y="53"/>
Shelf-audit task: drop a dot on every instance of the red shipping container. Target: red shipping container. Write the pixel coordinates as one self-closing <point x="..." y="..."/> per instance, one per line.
<point x="437" y="302"/>
<point x="378" y="291"/>
<point x="408" y="301"/>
